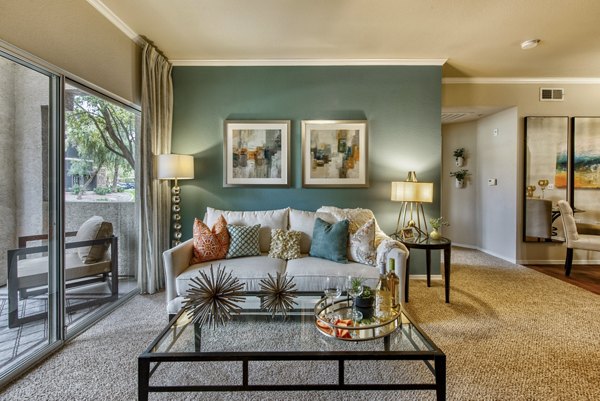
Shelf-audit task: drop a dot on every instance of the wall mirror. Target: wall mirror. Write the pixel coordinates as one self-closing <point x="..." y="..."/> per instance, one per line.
<point x="547" y="149"/>
<point x="586" y="173"/>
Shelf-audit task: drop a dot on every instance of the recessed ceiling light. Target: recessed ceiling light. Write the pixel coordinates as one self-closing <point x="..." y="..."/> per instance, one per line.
<point x="530" y="44"/>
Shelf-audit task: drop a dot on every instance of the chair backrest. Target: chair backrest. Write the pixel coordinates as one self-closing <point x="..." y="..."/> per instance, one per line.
<point x="569" y="226"/>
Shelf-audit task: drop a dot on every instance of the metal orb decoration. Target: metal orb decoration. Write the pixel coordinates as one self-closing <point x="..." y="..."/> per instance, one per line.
<point x="213" y="298"/>
<point x="277" y="294"/>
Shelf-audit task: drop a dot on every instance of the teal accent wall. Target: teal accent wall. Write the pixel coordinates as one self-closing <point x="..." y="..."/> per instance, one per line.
<point x="402" y="105"/>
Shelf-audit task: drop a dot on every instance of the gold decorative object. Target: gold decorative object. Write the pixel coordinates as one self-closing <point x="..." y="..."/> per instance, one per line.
<point x="543" y="184"/>
<point x="530" y="190"/>
<point x="277" y="294"/>
<point x="212" y="298"/>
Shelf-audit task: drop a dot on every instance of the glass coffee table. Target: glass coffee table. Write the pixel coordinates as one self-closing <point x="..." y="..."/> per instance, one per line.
<point x="256" y="351"/>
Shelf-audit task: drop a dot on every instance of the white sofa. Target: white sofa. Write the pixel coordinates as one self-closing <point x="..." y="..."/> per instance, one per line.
<point x="308" y="272"/>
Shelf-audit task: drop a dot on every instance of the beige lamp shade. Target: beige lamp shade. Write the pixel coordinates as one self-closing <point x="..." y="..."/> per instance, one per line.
<point x="409" y="191"/>
<point x="171" y="167"/>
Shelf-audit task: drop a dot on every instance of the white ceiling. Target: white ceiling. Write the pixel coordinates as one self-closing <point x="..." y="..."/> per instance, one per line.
<point x="479" y="38"/>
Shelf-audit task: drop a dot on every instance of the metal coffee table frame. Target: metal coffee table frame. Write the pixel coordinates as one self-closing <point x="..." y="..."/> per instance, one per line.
<point x="435" y="360"/>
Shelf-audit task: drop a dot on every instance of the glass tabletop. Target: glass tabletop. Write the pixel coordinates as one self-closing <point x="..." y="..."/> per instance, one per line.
<point x="423" y="240"/>
<point x="254" y="330"/>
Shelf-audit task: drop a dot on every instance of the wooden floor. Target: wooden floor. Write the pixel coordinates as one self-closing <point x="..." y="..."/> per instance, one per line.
<point x="584" y="276"/>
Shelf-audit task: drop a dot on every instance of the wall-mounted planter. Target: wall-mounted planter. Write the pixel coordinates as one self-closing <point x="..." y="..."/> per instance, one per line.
<point x="459" y="156"/>
<point x="459" y="177"/>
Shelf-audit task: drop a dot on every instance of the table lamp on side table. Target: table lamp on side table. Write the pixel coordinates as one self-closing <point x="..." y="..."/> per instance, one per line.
<point x="412" y="194"/>
<point x="175" y="167"/>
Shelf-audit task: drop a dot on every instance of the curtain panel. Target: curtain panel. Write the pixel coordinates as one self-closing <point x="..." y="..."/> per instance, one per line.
<point x="154" y="195"/>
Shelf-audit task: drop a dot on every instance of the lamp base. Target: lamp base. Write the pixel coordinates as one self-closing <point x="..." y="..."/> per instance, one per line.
<point x="175" y="208"/>
<point x="408" y="211"/>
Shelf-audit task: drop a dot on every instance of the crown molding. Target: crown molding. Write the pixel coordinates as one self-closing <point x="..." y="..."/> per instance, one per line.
<point x="307" y="62"/>
<point x="116" y="21"/>
<point x="523" y="80"/>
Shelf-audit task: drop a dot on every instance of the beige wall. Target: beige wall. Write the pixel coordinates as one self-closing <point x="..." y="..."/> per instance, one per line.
<point x="72" y="35"/>
<point x="580" y="100"/>
<point x="478" y="212"/>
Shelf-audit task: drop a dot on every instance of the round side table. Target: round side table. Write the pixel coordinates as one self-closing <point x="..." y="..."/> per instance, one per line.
<point x="428" y="244"/>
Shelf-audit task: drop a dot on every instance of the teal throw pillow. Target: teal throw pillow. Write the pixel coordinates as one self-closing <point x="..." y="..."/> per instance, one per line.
<point x="330" y="241"/>
<point x="243" y="241"/>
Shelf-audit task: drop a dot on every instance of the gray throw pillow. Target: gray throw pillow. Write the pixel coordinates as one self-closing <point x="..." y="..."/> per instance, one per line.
<point x="330" y="241"/>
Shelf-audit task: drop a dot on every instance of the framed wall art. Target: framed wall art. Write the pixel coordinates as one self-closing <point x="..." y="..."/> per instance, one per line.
<point x="256" y="153"/>
<point x="334" y="153"/>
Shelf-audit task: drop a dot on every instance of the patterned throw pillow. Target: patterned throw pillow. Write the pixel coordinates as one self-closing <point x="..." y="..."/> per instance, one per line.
<point x="244" y="241"/>
<point x="361" y="244"/>
<point x="285" y="244"/>
<point x="210" y="244"/>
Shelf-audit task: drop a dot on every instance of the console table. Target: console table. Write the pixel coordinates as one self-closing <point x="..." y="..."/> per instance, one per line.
<point x="428" y="244"/>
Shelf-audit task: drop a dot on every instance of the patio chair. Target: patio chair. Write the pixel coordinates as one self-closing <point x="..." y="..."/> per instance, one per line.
<point x="95" y="259"/>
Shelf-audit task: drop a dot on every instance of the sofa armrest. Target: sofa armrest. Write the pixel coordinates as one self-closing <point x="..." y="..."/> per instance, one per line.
<point x="176" y="260"/>
<point x="392" y="249"/>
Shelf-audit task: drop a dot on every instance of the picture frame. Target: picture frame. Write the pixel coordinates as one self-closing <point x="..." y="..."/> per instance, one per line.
<point x="334" y="154"/>
<point x="256" y="153"/>
<point x="586" y="153"/>
<point x="407" y="233"/>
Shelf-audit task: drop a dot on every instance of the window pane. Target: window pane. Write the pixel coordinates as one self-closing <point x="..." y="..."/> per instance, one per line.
<point x="100" y="190"/>
<point x="24" y="211"/>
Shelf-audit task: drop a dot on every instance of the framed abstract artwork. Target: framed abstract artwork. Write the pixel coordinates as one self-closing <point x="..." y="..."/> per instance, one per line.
<point x="586" y="152"/>
<point x="334" y="153"/>
<point x="256" y="153"/>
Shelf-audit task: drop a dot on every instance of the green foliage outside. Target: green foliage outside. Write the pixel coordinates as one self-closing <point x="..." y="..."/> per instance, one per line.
<point x="104" y="136"/>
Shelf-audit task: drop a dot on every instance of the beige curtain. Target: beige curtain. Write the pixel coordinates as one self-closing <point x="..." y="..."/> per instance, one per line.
<point x="154" y="201"/>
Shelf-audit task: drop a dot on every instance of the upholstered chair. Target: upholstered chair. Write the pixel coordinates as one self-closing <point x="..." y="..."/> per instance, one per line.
<point x="574" y="240"/>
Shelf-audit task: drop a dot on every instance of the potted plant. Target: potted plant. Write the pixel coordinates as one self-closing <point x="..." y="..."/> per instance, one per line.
<point x="460" y="176"/>
<point x="365" y="301"/>
<point x="436" y="224"/>
<point x="459" y="156"/>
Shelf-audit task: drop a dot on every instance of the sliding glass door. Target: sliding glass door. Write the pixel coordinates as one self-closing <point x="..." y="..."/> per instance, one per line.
<point x="68" y="234"/>
<point x="29" y="224"/>
<point x="99" y="171"/>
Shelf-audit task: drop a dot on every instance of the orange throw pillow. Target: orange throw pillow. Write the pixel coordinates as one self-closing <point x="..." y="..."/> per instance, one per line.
<point x="210" y="244"/>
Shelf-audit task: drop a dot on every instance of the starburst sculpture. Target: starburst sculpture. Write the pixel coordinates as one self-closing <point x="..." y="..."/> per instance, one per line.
<point x="213" y="298"/>
<point x="277" y="294"/>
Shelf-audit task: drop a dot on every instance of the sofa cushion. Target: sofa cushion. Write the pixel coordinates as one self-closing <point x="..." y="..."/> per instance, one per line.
<point x="268" y="220"/>
<point x="330" y="240"/>
<point x="357" y="218"/>
<point x="249" y="270"/>
<point x="210" y="244"/>
<point x="243" y="241"/>
<point x="304" y="221"/>
<point x="361" y="244"/>
<point x="285" y="244"/>
<point x="309" y="272"/>
<point x="93" y="228"/>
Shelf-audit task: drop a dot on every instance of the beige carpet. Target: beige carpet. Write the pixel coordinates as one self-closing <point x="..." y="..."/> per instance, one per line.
<point x="510" y="333"/>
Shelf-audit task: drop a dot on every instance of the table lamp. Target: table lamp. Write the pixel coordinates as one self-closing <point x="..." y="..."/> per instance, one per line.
<point x="412" y="194"/>
<point x="175" y="167"/>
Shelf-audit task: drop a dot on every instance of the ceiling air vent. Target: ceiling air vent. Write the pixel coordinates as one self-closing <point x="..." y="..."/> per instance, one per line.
<point x="552" y="94"/>
<point x="455" y="117"/>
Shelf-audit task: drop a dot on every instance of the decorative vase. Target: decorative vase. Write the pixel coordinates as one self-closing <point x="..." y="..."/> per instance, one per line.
<point x="435" y="234"/>
<point x="460" y="183"/>
<point x="460" y="161"/>
<point x="365" y="306"/>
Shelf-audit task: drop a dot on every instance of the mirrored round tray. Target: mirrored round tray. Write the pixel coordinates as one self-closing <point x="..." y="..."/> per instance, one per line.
<point x="344" y="328"/>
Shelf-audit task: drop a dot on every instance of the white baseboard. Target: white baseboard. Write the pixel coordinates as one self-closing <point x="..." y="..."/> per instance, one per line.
<point x="557" y="262"/>
<point x="424" y="276"/>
